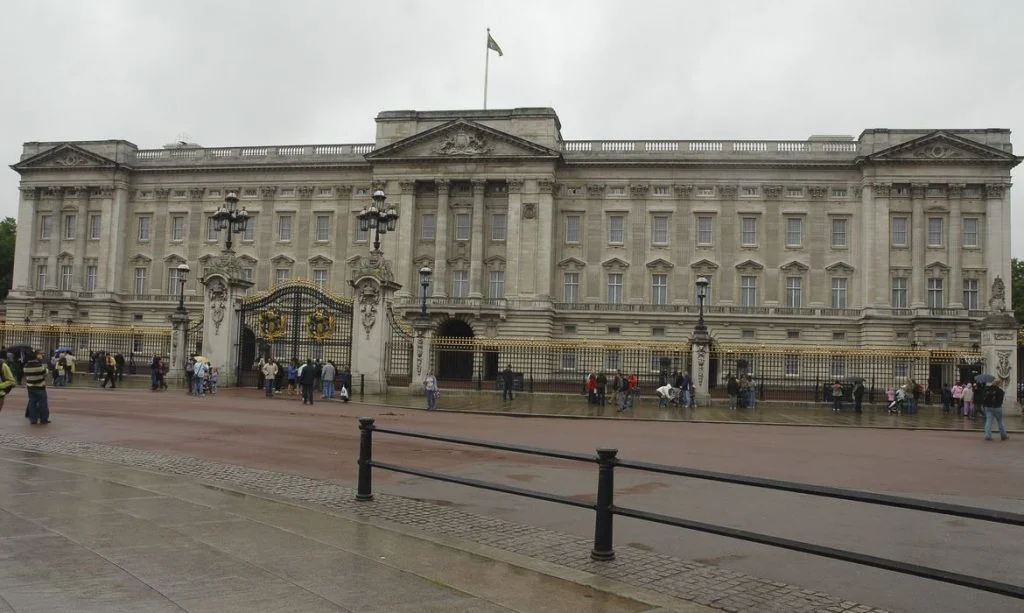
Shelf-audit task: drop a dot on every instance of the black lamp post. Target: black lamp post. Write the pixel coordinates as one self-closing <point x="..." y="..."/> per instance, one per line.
<point x="701" y="330"/>
<point x="425" y="273"/>
<point x="229" y="217"/>
<point x="378" y="218"/>
<point x="183" y="271"/>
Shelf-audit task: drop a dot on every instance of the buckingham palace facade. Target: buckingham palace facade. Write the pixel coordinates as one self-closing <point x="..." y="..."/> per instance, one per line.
<point x="891" y="238"/>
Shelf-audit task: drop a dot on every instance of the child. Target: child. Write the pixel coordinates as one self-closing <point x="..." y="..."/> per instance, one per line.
<point x="214" y="379"/>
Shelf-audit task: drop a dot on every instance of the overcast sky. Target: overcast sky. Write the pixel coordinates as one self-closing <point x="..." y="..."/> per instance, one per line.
<point x="233" y="72"/>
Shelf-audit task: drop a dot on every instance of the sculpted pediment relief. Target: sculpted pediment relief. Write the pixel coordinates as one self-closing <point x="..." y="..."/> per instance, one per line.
<point x="572" y="263"/>
<point x="66" y="156"/>
<point x="942" y="146"/>
<point x="282" y="259"/>
<point x="615" y="264"/>
<point x="248" y="259"/>
<point x="660" y="265"/>
<point x="320" y="260"/>
<point x="461" y="139"/>
<point x="749" y="265"/>
<point x="704" y="267"/>
<point x="173" y="258"/>
<point x="795" y="266"/>
<point x="140" y="259"/>
<point x="840" y="268"/>
<point x="937" y="266"/>
<point x="495" y="262"/>
<point x="423" y="260"/>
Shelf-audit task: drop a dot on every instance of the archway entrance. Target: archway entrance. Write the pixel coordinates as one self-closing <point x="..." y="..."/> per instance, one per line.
<point x="454" y="362"/>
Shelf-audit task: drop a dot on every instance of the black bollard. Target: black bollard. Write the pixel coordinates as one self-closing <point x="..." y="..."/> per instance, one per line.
<point x="603" y="550"/>
<point x="364" y="487"/>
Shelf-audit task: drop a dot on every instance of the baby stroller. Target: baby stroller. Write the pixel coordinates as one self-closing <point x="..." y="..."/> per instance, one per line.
<point x="900" y="402"/>
<point x="674" y="397"/>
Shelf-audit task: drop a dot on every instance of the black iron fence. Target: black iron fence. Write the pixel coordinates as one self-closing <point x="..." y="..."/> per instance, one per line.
<point x="136" y="346"/>
<point x="605" y="509"/>
<point x="774" y="372"/>
<point x="398" y="351"/>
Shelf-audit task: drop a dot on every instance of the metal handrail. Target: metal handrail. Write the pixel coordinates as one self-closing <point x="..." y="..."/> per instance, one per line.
<point x="605" y="509"/>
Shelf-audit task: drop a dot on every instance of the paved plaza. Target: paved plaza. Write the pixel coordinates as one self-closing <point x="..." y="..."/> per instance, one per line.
<point x="307" y="454"/>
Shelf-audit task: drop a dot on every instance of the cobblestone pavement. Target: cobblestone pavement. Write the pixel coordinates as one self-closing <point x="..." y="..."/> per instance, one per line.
<point x="715" y="587"/>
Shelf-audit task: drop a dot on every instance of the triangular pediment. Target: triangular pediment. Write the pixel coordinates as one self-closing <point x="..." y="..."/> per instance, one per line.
<point x="320" y="260"/>
<point x="795" y="266"/>
<point x="461" y="138"/>
<point x="423" y="260"/>
<point x="64" y="157"/>
<point x="282" y="259"/>
<point x="749" y="265"/>
<point x="65" y="255"/>
<point x="943" y="147"/>
<point x="173" y="258"/>
<point x="937" y="265"/>
<point x="248" y="259"/>
<point x="140" y="259"/>
<point x="572" y="263"/>
<point x="660" y="265"/>
<point x="704" y="264"/>
<point x="495" y="262"/>
<point x="840" y="268"/>
<point x="615" y="263"/>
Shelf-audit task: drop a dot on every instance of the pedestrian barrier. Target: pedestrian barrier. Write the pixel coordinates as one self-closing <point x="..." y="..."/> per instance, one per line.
<point x="605" y="509"/>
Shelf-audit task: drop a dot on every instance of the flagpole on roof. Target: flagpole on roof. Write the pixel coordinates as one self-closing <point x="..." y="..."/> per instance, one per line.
<point x="487" y="64"/>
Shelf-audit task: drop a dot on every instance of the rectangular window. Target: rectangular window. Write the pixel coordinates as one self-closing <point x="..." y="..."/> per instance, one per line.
<point x="144" y="227"/>
<point x="839" y="293"/>
<point x="70" y="226"/>
<point x="320" y="278"/>
<point x="794" y="231"/>
<point x="971" y="232"/>
<point x="361" y="235"/>
<point x="616" y="229"/>
<point x="795" y="192"/>
<point x="45" y="226"/>
<point x="934" y="231"/>
<point x="615" y="288"/>
<point x="572" y="228"/>
<point x="900" y="369"/>
<point x="792" y="334"/>
<point x="704" y="230"/>
<point x="899" y="232"/>
<point x="95" y="229"/>
<point x="839" y="193"/>
<point x="571" y="286"/>
<point x="173" y="281"/>
<point x="748" y="333"/>
<point x="323" y="228"/>
<point x="659" y="289"/>
<point x="748" y="231"/>
<point x="972" y="294"/>
<point x="935" y="298"/>
<point x="66" y="277"/>
<point x="281" y="275"/>
<point x="899" y="293"/>
<point x="177" y="227"/>
<point x="247" y="274"/>
<point x="499" y="226"/>
<point x="250" y="230"/>
<point x="568" y="360"/>
<point x="140" y="280"/>
<point x="838" y="366"/>
<point x="460" y="284"/>
<point x="659" y="230"/>
<point x="749" y="191"/>
<point x="463" y="226"/>
<point x="611" y="360"/>
<point x="496" y="287"/>
<point x="91" y="272"/>
<point x="792" y="366"/>
<point x="284" y="228"/>
<point x="794" y="292"/>
<point x="658" y="331"/>
<point x="428" y="226"/>
<point x="211" y="229"/>
<point x="41" y="276"/>
<point x="748" y="291"/>
<point x="839" y="236"/>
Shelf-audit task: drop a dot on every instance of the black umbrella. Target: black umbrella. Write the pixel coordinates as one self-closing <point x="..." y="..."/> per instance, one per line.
<point x="984" y="378"/>
<point x="23" y="349"/>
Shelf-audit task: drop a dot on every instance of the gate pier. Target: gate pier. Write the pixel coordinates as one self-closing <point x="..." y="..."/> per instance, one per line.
<point x="224" y="287"/>
<point x="371" y="327"/>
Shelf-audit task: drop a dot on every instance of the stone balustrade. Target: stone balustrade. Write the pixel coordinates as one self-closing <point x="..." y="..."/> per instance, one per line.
<point x="266" y="154"/>
<point x="838" y="149"/>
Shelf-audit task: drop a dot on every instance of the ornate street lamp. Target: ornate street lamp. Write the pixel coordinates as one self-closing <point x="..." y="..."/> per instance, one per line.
<point x="425" y="273"/>
<point x="229" y="217"/>
<point x="183" y="271"/>
<point x="378" y="218"/>
<point x="701" y="330"/>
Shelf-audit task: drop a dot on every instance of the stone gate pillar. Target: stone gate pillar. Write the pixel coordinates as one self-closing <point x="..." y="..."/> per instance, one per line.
<point x="224" y="288"/>
<point x="176" y="369"/>
<point x="700" y="360"/>
<point x="999" y="345"/>
<point x="371" y="328"/>
<point x="422" y="348"/>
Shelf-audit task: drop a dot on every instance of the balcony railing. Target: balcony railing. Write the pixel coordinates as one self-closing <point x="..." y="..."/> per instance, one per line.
<point x="710" y="148"/>
<point x="260" y="154"/>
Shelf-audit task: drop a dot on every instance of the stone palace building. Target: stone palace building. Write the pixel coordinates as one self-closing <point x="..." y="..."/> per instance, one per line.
<point x="895" y="237"/>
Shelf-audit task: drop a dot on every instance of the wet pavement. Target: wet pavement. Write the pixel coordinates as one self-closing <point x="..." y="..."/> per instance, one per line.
<point x="83" y="536"/>
<point x="646" y="408"/>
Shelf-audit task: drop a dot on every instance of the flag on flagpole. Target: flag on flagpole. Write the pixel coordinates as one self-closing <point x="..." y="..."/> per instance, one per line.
<point x="492" y="45"/>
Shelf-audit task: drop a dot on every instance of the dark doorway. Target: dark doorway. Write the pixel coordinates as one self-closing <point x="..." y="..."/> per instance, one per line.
<point x="455" y="364"/>
<point x="490" y="366"/>
<point x="712" y="370"/>
<point x="935" y="377"/>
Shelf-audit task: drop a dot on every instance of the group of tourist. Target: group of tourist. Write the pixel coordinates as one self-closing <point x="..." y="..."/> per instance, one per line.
<point x="296" y="377"/>
<point x="33" y="370"/>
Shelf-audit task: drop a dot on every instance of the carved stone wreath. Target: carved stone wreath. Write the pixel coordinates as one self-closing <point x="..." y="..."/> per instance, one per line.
<point x="369" y="298"/>
<point x="529" y="210"/>
<point x="218" y="303"/>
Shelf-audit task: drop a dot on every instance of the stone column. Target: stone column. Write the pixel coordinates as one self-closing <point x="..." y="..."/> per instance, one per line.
<point x="224" y="287"/>
<point x="476" y="249"/>
<point x="27" y="232"/>
<point x="81" y="235"/>
<point x="997" y="250"/>
<point x="176" y="369"/>
<point x="56" y="236"/>
<point x="881" y="245"/>
<point x="441" y="280"/>
<point x="546" y="224"/>
<point x="918" y="225"/>
<point x="371" y="325"/>
<point x="116" y="232"/>
<point x="868" y="265"/>
<point x="513" y="229"/>
<point x="999" y="346"/>
<point x="956" y="299"/>
<point x="406" y="228"/>
<point x="422" y="348"/>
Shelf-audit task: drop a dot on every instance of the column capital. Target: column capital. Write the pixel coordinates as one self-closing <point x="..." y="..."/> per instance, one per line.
<point x="53" y="191"/>
<point x="306" y="191"/>
<point x="995" y="190"/>
<point x="28" y="193"/>
<point x="955" y="190"/>
<point x="407" y="187"/>
<point x="478" y="186"/>
<point x="545" y="186"/>
<point x="267" y="192"/>
<point x="161" y="193"/>
<point x="196" y="193"/>
<point x="881" y="190"/>
<point x="917" y="190"/>
<point x="380" y="184"/>
<point x="443" y="186"/>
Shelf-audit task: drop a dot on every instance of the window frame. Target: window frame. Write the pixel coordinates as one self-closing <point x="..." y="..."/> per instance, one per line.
<point x="496" y="285"/>
<point x="840" y="292"/>
<point x="905" y="224"/>
<point x="748" y="293"/>
<point x="614" y="220"/>
<point x="432" y="227"/>
<point x="940" y="242"/>
<point x="45" y="227"/>
<point x="463" y="232"/>
<point x="282" y="225"/>
<point x="659" y="288"/>
<point x="499" y="231"/>
<point x="799" y="221"/>
<point x="615" y="282"/>
<point x="140" y="279"/>
<point x="842" y="224"/>
<point x="145" y="223"/>
<point x="95" y="226"/>
<point x="972" y="294"/>
<point x="573" y="222"/>
<point x="796" y="291"/>
<point x="700" y="231"/>
<point x="751" y="240"/>
<point x="976" y="244"/>
<point x="321" y="283"/>
<point x="91" y="277"/>
<point x="571" y="287"/>
<point x="177" y="234"/>
<point x="70" y="227"/>
<point x="326" y="230"/>
<point x="903" y="292"/>
<point x="67" y="277"/>
<point x="460" y="283"/>
<point x="657" y="220"/>
<point x="935" y="291"/>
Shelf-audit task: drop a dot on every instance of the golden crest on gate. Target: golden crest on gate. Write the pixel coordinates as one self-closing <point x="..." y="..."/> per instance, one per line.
<point x="320" y="325"/>
<point x="273" y="324"/>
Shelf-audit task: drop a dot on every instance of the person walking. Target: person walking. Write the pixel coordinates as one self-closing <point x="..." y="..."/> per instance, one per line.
<point x="190" y="367"/>
<point x="345" y="381"/>
<point x="507" y="377"/>
<point x="154" y="374"/>
<point x="111" y="369"/>
<point x="993" y="401"/>
<point x="837" y="397"/>
<point x="328" y="375"/>
<point x="269" y="371"/>
<point x="200" y="372"/>
<point x="307" y="378"/>
<point x="431" y="390"/>
<point x="858" y="396"/>
<point x="7" y="380"/>
<point x="732" y="388"/>
<point x="967" y="398"/>
<point x="35" y="383"/>
<point x="602" y="388"/>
